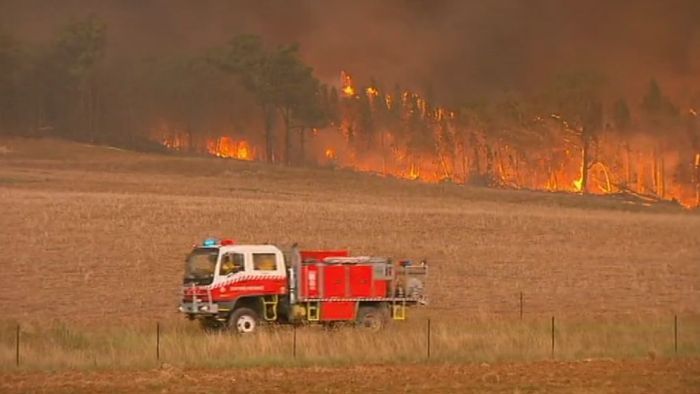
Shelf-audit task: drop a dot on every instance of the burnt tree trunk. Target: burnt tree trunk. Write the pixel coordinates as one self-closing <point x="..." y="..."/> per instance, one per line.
<point x="269" y="137"/>
<point x="697" y="180"/>
<point x="287" y="138"/>
<point x="190" y="147"/>
<point x="628" y="169"/>
<point x="585" y="153"/>
<point x="383" y="153"/>
<point x="464" y="163"/>
<point x="489" y="161"/>
<point x="302" y="145"/>
<point x="654" y="172"/>
<point x="640" y="173"/>
<point x="477" y="161"/>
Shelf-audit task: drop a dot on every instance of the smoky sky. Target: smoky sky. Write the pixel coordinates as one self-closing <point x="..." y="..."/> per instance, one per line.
<point x="453" y="50"/>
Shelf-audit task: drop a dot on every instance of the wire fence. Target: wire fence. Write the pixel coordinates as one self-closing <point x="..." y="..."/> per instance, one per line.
<point x="420" y="340"/>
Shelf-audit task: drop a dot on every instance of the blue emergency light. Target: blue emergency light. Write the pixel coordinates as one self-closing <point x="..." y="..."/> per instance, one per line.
<point x="210" y="242"/>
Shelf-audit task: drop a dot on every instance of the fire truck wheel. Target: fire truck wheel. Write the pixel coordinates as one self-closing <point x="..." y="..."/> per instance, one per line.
<point x="370" y="317"/>
<point x="243" y="320"/>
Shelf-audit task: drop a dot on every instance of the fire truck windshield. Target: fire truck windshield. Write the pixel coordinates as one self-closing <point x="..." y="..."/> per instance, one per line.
<point x="200" y="266"/>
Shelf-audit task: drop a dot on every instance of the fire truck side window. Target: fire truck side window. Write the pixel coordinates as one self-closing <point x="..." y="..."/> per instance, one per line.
<point x="264" y="261"/>
<point x="231" y="263"/>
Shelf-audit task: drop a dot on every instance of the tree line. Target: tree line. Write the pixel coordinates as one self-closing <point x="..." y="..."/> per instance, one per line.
<point x="73" y="87"/>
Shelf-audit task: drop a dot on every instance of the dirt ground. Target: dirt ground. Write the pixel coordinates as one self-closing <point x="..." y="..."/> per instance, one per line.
<point x="599" y="376"/>
<point x="80" y="225"/>
<point x="100" y="234"/>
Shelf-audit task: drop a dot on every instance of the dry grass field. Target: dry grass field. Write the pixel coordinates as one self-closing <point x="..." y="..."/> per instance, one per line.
<point x="599" y="376"/>
<point x="93" y="240"/>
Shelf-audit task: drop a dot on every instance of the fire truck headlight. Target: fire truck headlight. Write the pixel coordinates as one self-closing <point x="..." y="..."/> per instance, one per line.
<point x="181" y="309"/>
<point x="204" y="308"/>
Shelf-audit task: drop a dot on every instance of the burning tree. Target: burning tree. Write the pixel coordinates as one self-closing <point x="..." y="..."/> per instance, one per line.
<point x="577" y="102"/>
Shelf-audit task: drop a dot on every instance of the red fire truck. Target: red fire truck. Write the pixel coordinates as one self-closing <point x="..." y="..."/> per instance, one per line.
<point x="239" y="286"/>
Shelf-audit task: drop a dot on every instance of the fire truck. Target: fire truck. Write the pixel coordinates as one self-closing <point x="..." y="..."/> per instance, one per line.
<point x="238" y="287"/>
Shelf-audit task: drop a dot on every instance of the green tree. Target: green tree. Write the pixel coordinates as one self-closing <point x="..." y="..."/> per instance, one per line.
<point x="78" y="49"/>
<point x="314" y="113"/>
<point x="279" y="80"/>
<point x="294" y="91"/>
<point x="9" y="80"/>
<point x="247" y="58"/>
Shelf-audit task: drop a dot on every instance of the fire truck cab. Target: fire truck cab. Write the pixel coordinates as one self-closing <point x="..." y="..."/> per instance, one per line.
<point x="239" y="286"/>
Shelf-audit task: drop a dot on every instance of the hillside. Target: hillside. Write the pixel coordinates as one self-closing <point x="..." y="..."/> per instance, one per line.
<point x="100" y="233"/>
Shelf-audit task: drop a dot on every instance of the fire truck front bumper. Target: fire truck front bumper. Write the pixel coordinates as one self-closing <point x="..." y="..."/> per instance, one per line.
<point x="199" y="308"/>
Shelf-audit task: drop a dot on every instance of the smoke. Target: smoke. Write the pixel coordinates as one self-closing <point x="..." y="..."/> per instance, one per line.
<point x="454" y="50"/>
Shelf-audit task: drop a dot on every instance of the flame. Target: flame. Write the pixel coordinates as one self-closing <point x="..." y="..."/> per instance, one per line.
<point x="413" y="139"/>
<point x="175" y="141"/>
<point x="227" y="147"/>
<point x="346" y="84"/>
<point x="372" y="92"/>
<point x="388" y="100"/>
<point x="577" y="183"/>
<point x="413" y="173"/>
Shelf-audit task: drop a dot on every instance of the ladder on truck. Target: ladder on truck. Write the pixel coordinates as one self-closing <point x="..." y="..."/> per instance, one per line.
<point x="398" y="309"/>
<point x="270" y="307"/>
<point x="313" y="310"/>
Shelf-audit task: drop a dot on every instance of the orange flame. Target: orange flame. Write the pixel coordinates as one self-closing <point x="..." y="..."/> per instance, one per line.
<point x="346" y="84"/>
<point x="449" y="150"/>
<point x="372" y="92"/>
<point x="229" y="148"/>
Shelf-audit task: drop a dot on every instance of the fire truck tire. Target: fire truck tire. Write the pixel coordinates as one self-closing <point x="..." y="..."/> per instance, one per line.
<point x="243" y="321"/>
<point x="371" y="318"/>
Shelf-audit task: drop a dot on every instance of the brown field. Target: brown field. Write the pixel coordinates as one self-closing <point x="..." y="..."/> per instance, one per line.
<point x="601" y="376"/>
<point x="93" y="238"/>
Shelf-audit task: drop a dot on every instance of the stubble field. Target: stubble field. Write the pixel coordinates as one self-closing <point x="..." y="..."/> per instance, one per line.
<point x="94" y="237"/>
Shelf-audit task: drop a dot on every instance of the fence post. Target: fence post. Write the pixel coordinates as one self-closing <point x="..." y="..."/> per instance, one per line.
<point x="17" y="347"/>
<point x="158" y="341"/>
<point x="428" y="341"/>
<point x="294" y="341"/>
<point x="521" y="305"/>
<point x="552" y="336"/>
<point x="675" y="334"/>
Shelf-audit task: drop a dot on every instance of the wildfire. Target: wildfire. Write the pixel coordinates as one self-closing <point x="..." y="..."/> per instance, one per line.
<point x="176" y="143"/>
<point x="346" y="84"/>
<point x="372" y="92"/>
<point x="404" y="135"/>
<point x="413" y="173"/>
<point x="229" y="148"/>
